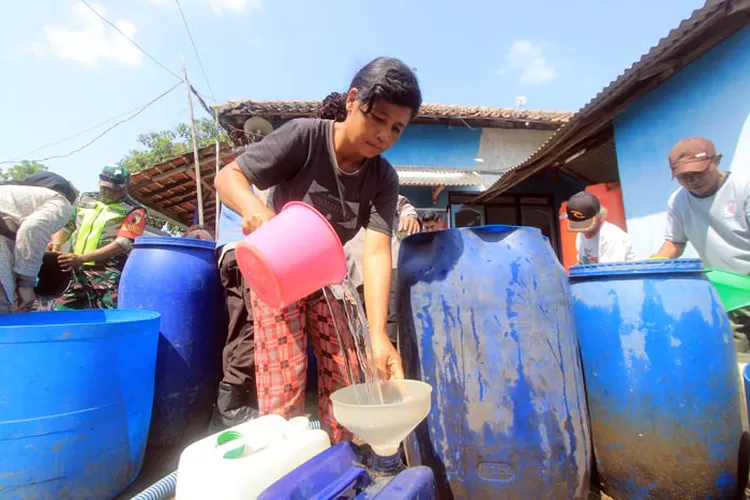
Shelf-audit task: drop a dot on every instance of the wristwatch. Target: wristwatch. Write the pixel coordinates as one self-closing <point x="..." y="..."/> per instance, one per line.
<point x="28" y="283"/>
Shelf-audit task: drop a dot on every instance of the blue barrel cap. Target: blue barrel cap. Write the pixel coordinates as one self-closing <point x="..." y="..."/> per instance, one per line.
<point x="641" y="267"/>
<point x="170" y="241"/>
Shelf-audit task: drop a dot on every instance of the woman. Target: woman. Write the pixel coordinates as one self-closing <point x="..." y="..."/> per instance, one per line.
<point x="336" y="167"/>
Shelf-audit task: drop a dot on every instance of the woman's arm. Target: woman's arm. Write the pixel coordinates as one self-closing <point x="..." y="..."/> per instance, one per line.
<point x="376" y="261"/>
<point x="236" y="192"/>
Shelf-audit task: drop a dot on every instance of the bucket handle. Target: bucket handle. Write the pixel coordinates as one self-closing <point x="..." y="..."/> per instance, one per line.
<point x="348" y="485"/>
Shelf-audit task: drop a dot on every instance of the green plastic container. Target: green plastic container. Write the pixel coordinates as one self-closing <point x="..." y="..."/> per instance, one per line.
<point x="733" y="288"/>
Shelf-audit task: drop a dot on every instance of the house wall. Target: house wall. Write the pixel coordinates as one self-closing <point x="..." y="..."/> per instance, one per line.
<point x="708" y="98"/>
<point x="502" y="148"/>
<point x="459" y="146"/>
<point x="436" y="146"/>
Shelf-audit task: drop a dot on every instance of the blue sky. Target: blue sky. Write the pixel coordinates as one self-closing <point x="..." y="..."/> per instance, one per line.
<point x="65" y="71"/>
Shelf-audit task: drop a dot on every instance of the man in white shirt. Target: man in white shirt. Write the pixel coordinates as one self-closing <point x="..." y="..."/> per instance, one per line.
<point x="598" y="241"/>
<point x="30" y="212"/>
<point x="711" y="211"/>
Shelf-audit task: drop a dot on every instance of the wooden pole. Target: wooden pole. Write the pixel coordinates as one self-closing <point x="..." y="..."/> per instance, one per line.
<point x="196" y="158"/>
<point x="218" y="167"/>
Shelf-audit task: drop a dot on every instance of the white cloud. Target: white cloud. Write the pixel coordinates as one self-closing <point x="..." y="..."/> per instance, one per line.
<point x="532" y="67"/>
<point x="219" y="7"/>
<point x="233" y="6"/>
<point x="90" y="41"/>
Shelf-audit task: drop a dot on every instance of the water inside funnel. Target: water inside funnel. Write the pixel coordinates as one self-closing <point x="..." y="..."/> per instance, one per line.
<point x="355" y="321"/>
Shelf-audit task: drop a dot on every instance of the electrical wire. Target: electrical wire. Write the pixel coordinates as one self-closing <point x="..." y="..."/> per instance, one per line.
<point x="131" y="41"/>
<point x="82" y="132"/>
<point x="195" y="49"/>
<point x="195" y="92"/>
<point x="105" y="132"/>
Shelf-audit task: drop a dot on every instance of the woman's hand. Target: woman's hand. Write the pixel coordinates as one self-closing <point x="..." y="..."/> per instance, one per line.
<point x="253" y="221"/>
<point x="387" y="359"/>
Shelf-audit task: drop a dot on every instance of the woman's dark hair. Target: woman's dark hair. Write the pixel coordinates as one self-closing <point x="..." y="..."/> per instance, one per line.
<point x="388" y="79"/>
<point x="384" y="78"/>
<point x="333" y="107"/>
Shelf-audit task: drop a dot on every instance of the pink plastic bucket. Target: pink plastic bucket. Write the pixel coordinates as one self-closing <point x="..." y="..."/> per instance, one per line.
<point x="291" y="256"/>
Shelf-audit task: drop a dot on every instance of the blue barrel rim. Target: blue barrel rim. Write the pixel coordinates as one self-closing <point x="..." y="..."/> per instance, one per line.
<point x="170" y="241"/>
<point x="12" y="332"/>
<point x="638" y="268"/>
<point x="425" y="236"/>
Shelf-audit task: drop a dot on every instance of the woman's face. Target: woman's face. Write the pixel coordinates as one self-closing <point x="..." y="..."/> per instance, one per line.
<point x="375" y="132"/>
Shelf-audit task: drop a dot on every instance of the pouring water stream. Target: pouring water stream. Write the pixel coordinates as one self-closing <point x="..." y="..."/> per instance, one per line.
<point x="356" y="323"/>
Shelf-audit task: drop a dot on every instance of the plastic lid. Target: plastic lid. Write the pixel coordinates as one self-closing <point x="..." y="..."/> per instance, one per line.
<point x="641" y="267"/>
<point x="161" y="241"/>
<point x="228" y="437"/>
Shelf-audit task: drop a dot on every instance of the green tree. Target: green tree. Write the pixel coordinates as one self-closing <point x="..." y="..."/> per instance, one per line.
<point x="165" y="144"/>
<point x="21" y="171"/>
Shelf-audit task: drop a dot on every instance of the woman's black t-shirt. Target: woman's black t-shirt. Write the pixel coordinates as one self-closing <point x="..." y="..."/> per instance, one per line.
<point x="297" y="162"/>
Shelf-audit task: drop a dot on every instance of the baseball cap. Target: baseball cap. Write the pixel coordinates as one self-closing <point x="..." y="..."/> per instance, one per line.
<point x="114" y="177"/>
<point x="693" y="154"/>
<point x="581" y="211"/>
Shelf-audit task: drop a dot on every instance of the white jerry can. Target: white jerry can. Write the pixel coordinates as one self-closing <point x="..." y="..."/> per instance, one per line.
<point x="239" y="463"/>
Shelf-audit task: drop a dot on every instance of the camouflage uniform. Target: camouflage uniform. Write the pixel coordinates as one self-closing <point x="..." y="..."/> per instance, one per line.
<point x="95" y="225"/>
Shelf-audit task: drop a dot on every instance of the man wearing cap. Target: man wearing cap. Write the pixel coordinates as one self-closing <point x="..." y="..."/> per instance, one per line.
<point x="711" y="211"/>
<point x="103" y="228"/>
<point x="598" y="241"/>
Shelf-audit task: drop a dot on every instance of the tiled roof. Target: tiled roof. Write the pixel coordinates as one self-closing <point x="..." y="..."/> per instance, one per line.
<point x="233" y="114"/>
<point x="708" y="26"/>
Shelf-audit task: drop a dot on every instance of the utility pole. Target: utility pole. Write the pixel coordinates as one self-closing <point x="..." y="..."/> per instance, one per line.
<point x="196" y="159"/>
<point x="218" y="167"/>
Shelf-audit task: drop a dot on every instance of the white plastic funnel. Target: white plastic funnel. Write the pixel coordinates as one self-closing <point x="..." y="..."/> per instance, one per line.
<point x="383" y="426"/>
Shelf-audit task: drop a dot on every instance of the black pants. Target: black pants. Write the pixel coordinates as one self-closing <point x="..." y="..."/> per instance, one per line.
<point x="237" y="399"/>
<point x="238" y="359"/>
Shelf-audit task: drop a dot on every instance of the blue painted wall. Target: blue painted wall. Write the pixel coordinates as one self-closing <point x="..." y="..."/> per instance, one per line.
<point x="709" y="98"/>
<point x="421" y="196"/>
<point x="436" y="146"/>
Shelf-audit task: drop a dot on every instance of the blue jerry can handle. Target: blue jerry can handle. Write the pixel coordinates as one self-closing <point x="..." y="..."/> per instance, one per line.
<point x="347" y="486"/>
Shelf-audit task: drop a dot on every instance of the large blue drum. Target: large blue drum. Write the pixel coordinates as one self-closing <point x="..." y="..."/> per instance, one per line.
<point x="76" y="389"/>
<point x="486" y="319"/>
<point x="661" y="379"/>
<point x="179" y="279"/>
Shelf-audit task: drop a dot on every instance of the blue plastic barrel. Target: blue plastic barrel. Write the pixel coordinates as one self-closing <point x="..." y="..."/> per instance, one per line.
<point x="661" y="379"/>
<point x="76" y="389"/>
<point x="486" y="319"/>
<point x="178" y="278"/>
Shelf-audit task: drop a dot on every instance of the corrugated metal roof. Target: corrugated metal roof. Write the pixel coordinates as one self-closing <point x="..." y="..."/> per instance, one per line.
<point x="169" y="187"/>
<point x="708" y="26"/>
<point x="447" y="176"/>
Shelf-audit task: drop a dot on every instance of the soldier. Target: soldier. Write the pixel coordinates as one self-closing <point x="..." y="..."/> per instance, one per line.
<point x="103" y="228"/>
